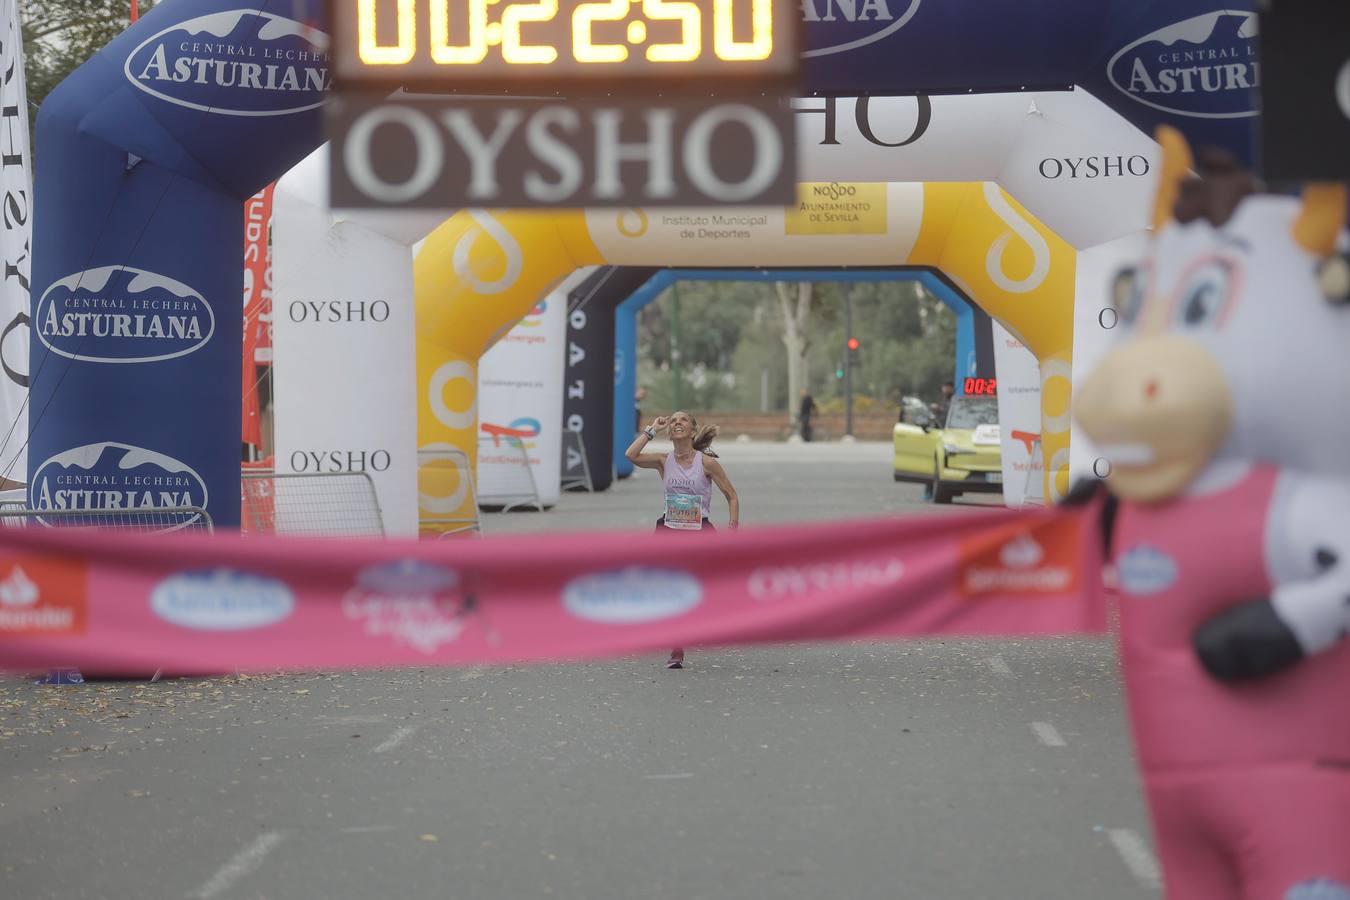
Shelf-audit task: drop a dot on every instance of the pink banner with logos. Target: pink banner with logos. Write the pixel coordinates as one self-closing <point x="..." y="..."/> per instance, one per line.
<point x="194" y="604"/>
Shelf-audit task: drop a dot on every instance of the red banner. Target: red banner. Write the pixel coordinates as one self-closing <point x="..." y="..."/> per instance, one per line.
<point x="193" y="604"/>
<point x="257" y="305"/>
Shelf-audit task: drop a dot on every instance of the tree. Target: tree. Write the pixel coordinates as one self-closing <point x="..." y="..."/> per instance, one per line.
<point x="59" y="35"/>
<point x="796" y="333"/>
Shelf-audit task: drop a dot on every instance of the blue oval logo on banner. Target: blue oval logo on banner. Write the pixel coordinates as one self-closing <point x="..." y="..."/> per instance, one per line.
<point x="1205" y="67"/>
<point x="1146" y="570"/>
<point x="241" y="62"/>
<point x="843" y="25"/>
<point x="632" y="596"/>
<point x="117" y="314"/>
<point x="222" y="600"/>
<point x="115" y="476"/>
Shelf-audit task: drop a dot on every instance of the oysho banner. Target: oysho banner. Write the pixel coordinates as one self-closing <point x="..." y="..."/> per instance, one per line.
<point x="190" y="604"/>
<point x="343" y="332"/>
<point x="16" y="183"/>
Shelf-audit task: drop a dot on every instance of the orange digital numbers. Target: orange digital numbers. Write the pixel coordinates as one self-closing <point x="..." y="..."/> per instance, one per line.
<point x="393" y="42"/>
<point x="475" y="51"/>
<point x="584" y="18"/>
<point x="690" y="18"/>
<point x="760" y="44"/>
<point x="514" y="49"/>
<point x="368" y="45"/>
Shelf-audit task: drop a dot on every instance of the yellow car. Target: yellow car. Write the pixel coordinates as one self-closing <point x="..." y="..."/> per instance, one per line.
<point x="962" y="457"/>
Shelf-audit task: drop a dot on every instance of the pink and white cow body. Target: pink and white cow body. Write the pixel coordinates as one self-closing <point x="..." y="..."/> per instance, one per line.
<point x="1225" y="411"/>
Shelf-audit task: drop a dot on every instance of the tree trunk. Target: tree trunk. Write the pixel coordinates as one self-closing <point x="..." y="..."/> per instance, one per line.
<point x="796" y="338"/>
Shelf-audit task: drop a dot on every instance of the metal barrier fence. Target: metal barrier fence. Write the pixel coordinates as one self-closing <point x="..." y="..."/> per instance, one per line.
<point x="333" y="504"/>
<point x="1033" y="491"/>
<point x="143" y="521"/>
<point x="445" y="485"/>
<point x="574" y="456"/>
<point x="505" y="487"/>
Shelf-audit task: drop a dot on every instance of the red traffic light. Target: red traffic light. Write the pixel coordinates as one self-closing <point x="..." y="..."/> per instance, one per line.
<point x="853" y="343"/>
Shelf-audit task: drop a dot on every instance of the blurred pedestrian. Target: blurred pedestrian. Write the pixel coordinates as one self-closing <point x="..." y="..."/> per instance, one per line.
<point x="808" y="406"/>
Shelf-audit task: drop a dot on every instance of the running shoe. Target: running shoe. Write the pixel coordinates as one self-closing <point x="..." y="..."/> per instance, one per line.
<point x="676" y="660"/>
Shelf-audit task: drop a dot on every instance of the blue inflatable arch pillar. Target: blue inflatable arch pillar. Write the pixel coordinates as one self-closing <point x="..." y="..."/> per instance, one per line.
<point x="148" y="152"/>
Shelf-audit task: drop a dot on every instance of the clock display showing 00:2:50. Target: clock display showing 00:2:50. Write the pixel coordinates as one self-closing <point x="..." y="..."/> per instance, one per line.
<point x="459" y="33"/>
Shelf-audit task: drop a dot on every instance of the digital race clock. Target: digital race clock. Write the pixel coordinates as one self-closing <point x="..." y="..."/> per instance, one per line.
<point x="494" y="44"/>
<point x="980" y="387"/>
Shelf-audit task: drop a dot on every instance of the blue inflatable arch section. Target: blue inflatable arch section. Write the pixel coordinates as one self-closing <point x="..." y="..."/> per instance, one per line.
<point x="147" y="152"/>
<point x="970" y="361"/>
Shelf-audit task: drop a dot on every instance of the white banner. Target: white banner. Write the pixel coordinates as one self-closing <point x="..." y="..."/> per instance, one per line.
<point x="520" y="405"/>
<point x="343" y="361"/>
<point x="1019" y="420"/>
<point x="1094" y="328"/>
<point x="16" y="181"/>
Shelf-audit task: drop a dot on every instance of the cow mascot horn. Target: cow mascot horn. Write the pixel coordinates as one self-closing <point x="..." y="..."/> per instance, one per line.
<point x="1223" y="411"/>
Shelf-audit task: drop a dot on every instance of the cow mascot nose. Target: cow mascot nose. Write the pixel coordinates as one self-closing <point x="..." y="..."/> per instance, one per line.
<point x="1221" y="411"/>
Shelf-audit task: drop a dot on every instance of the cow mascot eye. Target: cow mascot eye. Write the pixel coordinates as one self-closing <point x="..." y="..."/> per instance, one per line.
<point x="1204" y="295"/>
<point x="1127" y="294"/>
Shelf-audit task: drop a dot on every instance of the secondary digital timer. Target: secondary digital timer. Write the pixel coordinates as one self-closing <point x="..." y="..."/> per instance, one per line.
<point x="980" y="387"/>
<point x="493" y="44"/>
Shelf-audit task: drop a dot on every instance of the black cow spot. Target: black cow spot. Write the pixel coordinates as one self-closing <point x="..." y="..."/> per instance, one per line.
<point x="1326" y="558"/>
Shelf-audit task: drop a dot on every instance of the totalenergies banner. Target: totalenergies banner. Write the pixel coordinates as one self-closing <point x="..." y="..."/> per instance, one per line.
<point x="483" y="270"/>
<point x="520" y="408"/>
<point x="191" y="604"/>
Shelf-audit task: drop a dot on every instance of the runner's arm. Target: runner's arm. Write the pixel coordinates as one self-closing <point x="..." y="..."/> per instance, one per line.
<point x="646" y="460"/>
<point x="719" y="477"/>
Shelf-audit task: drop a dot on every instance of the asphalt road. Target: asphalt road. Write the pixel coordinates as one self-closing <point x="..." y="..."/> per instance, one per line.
<point x="928" y="769"/>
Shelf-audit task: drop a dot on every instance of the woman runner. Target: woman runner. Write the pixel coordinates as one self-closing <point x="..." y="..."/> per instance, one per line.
<point x="688" y="473"/>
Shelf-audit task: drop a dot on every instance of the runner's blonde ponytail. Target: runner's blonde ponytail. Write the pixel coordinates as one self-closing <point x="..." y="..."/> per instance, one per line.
<point x="703" y="438"/>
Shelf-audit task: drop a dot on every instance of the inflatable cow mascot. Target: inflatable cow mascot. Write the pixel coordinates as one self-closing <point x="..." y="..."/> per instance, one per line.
<point x="1225" y="412"/>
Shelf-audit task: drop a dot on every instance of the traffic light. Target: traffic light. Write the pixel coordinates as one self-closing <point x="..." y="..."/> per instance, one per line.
<point x="853" y="343"/>
<point x="839" y="370"/>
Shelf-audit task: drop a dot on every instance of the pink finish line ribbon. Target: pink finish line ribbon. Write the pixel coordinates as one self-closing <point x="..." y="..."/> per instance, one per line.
<point x="195" y="604"/>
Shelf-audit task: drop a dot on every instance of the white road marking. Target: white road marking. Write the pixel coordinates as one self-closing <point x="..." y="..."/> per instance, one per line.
<point x="471" y="674"/>
<point x="999" y="666"/>
<point x="398" y="737"/>
<point x="365" y="829"/>
<point x="1137" y="856"/>
<point x="244" y="863"/>
<point x="669" y="776"/>
<point x="1048" y="734"/>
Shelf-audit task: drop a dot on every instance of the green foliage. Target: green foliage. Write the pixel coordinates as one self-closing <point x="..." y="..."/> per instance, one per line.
<point x="59" y="35"/>
<point x="731" y="344"/>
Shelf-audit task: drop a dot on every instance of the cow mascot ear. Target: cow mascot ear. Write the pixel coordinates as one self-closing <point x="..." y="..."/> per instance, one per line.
<point x="1316" y="230"/>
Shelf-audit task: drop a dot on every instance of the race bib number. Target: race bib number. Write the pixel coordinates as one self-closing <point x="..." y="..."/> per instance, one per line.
<point x="684" y="511"/>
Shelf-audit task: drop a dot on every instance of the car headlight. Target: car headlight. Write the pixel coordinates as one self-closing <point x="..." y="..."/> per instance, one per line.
<point x="954" y="450"/>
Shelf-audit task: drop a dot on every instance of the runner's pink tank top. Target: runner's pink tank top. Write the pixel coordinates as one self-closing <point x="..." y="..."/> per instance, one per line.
<point x="688" y="493"/>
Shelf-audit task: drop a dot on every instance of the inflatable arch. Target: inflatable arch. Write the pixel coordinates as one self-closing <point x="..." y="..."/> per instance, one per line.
<point x="970" y="320"/>
<point x="145" y="170"/>
<point x="474" y="275"/>
<point x="999" y="252"/>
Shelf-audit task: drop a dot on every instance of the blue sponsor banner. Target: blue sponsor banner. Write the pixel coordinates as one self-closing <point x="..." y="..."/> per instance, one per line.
<point x="149" y="151"/>
<point x="1188" y="63"/>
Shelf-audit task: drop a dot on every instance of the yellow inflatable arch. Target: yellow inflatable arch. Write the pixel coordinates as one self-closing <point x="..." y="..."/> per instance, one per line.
<point x="481" y="271"/>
